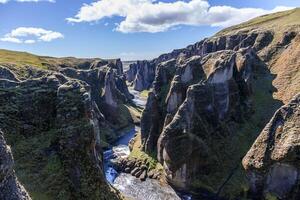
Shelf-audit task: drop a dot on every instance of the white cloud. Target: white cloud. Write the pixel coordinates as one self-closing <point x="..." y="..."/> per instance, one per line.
<point x="153" y="16"/>
<point x="11" y="39"/>
<point x="5" y="1"/>
<point x="29" y="41"/>
<point x="30" y="35"/>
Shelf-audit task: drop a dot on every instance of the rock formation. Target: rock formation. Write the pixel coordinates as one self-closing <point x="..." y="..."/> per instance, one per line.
<point x="184" y="146"/>
<point x="207" y="105"/>
<point x="210" y="99"/>
<point x="53" y="122"/>
<point x="141" y="74"/>
<point x="272" y="163"/>
<point x="10" y="187"/>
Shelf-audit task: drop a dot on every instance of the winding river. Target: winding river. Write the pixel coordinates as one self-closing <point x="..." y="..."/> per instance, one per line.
<point x="130" y="186"/>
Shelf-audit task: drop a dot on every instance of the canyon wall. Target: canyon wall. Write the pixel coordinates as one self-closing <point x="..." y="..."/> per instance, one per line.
<point x="272" y="161"/>
<point x="54" y="122"/>
<point x="210" y="101"/>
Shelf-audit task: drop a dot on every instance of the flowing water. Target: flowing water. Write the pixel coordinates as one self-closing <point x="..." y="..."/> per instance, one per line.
<point x="130" y="186"/>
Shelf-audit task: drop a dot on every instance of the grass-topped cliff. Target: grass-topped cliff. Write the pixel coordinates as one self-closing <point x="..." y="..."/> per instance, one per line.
<point x="21" y="58"/>
<point x="56" y="116"/>
<point x="276" y="21"/>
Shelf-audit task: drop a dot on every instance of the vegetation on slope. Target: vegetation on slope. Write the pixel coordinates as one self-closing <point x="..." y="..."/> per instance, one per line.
<point x="278" y="21"/>
<point x="21" y="58"/>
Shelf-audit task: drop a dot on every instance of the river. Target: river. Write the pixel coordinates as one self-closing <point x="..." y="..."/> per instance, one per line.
<point x="130" y="186"/>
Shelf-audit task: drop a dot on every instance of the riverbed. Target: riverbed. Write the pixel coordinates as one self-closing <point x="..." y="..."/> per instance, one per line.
<point x="130" y="186"/>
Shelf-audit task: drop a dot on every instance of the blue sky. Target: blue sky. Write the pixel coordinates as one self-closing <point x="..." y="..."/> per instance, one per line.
<point x="131" y="29"/>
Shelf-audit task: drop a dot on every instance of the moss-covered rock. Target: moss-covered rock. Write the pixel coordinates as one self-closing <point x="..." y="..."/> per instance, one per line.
<point x="10" y="188"/>
<point x="53" y="125"/>
<point x="272" y="161"/>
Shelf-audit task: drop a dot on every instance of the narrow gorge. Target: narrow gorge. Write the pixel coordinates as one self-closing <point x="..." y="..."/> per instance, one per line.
<point x="217" y="120"/>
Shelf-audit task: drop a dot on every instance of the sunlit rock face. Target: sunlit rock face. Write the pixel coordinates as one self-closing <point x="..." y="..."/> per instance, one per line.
<point x="195" y="104"/>
<point x="182" y="145"/>
<point x="207" y="98"/>
<point x="143" y="77"/>
<point x="141" y="74"/>
<point x="272" y="162"/>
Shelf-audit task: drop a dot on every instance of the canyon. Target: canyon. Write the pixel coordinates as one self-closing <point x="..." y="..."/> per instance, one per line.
<point x="218" y="119"/>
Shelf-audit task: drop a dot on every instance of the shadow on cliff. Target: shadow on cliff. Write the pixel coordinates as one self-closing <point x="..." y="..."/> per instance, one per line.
<point x="264" y="106"/>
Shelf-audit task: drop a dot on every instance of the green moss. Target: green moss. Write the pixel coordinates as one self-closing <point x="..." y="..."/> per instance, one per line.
<point x="270" y="196"/>
<point x="227" y="175"/>
<point x="150" y="160"/>
<point x="124" y="118"/>
<point x="39" y="196"/>
<point x="42" y="175"/>
<point x="145" y="93"/>
<point x="163" y="96"/>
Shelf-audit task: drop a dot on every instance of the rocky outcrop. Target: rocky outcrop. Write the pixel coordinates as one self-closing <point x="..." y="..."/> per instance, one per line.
<point x="78" y="122"/>
<point x="209" y="99"/>
<point x="55" y="128"/>
<point x="256" y="39"/>
<point x="122" y="87"/>
<point x="110" y="90"/>
<point x="10" y="187"/>
<point x="265" y="39"/>
<point x="7" y="74"/>
<point x="153" y="115"/>
<point x="272" y="163"/>
<point x="141" y="74"/>
<point x="131" y="72"/>
<point x="184" y="146"/>
<point x="144" y="76"/>
<point x="151" y="123"/>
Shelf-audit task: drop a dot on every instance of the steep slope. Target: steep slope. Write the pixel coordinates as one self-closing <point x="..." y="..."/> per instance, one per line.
<point x="56" y="125"/>
<point x="211" y="99"/>
<point x="272" y="163"/>
<point x="10" y="188"/>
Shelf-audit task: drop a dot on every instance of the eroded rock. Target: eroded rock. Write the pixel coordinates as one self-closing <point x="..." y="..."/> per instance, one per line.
<point x="272" y="161"/>
<point x="10" y="187"/>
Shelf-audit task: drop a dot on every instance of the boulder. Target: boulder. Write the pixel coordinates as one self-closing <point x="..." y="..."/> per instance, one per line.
<point x="143" y="176"/>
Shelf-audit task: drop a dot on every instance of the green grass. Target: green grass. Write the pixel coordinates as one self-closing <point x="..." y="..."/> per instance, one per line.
<point x="40" y="196"/>
<point x="124" y="117"/>
<point x="41" y="175"/>
<point x="138" y="154"/>
<point x="270" y="196"/>
<point x="21" y="58"/>
<point x="145" y="93"/>
<point x="279" y="20"/>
